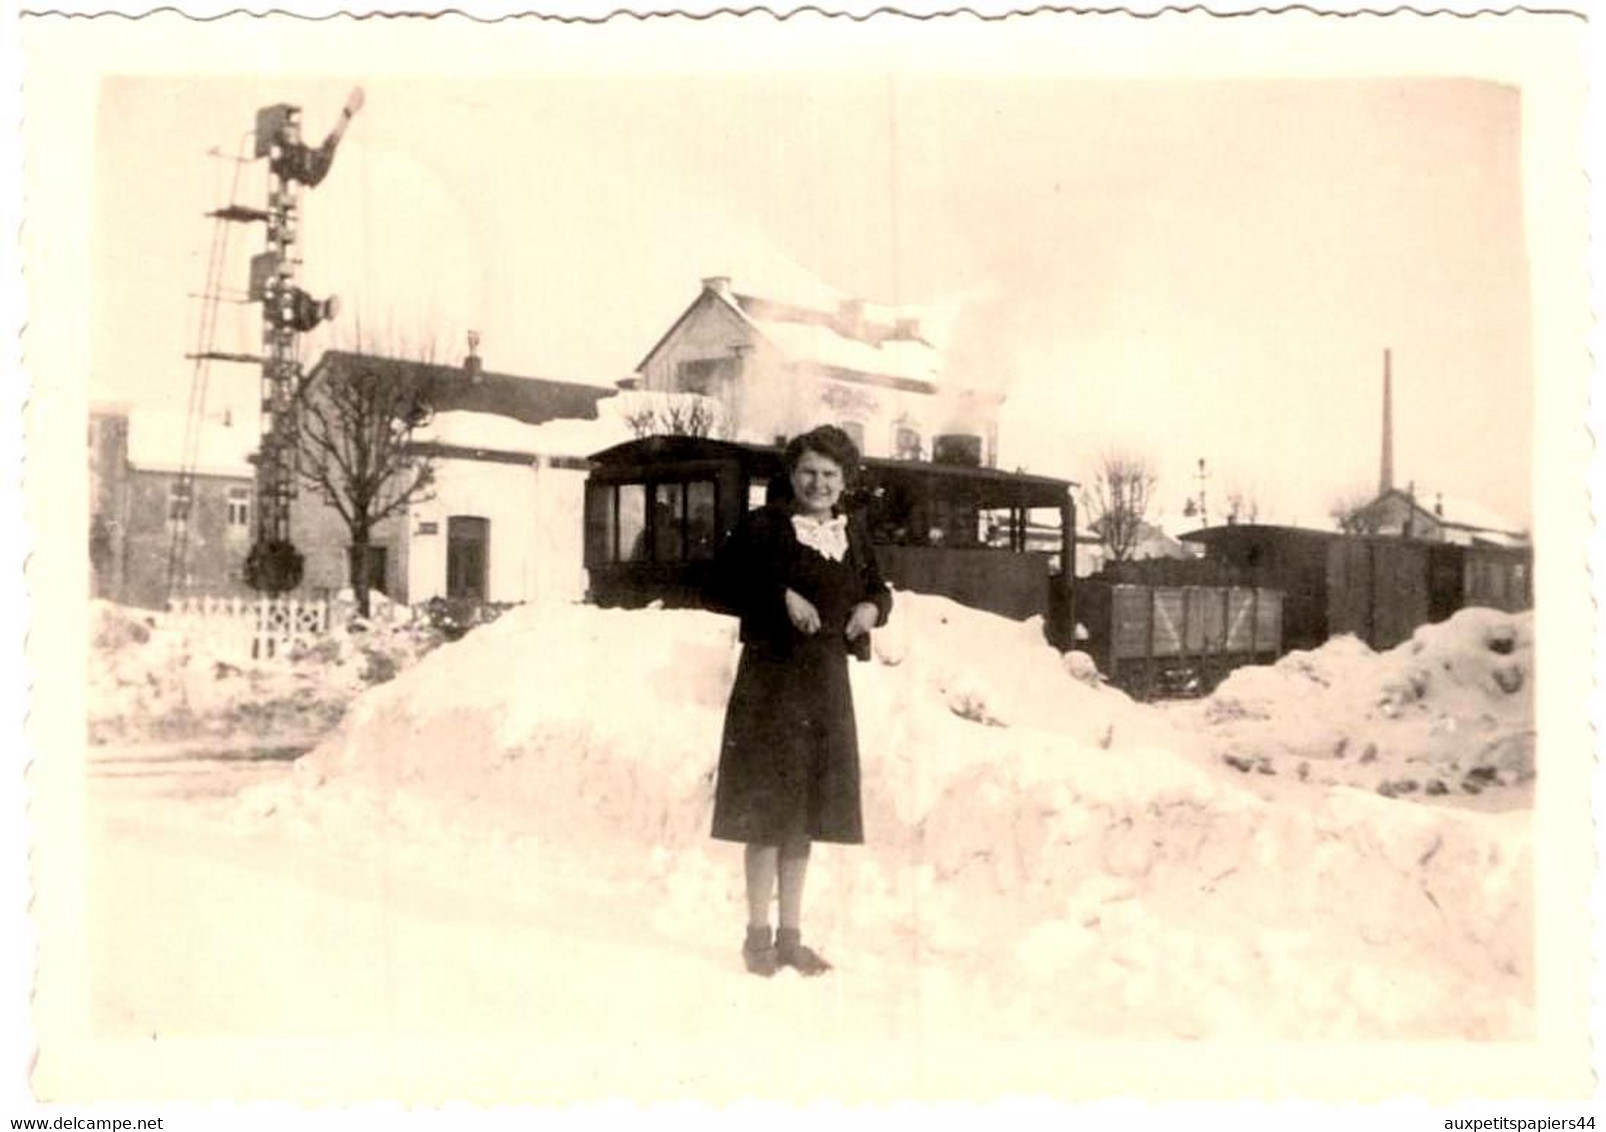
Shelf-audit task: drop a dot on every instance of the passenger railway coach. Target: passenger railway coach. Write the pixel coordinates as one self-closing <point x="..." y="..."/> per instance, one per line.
<point x="656" y="510"/>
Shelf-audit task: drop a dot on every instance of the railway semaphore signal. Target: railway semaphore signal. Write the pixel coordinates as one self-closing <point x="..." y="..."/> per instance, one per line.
<point x="274" y="565"/>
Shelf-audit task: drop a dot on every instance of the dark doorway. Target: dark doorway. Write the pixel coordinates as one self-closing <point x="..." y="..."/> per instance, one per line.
<point x="468" y="540"/>
<point x="1444" y="581"/>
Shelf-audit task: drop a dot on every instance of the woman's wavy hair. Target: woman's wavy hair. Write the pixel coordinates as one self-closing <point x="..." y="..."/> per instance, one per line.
<point x="828" y="441"/>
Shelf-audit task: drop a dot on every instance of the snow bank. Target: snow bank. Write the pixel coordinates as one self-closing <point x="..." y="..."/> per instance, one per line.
<point x="162" y="676"/>
<point x="1449" y="712"/>
<point x="1070" y="855"/>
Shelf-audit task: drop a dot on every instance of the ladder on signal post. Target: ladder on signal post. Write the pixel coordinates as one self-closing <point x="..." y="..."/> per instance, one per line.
<point x="182" y="502"/>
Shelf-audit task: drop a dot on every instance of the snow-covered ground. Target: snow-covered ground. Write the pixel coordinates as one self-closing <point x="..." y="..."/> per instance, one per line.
<point x="1446" y="715"/>
<point x="516" y="825"/>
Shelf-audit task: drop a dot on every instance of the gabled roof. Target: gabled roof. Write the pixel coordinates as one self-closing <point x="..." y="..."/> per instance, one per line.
<point x="1460" y="513"/>
<point x="880" y="341"/>
<point x="532" y="400"/>
<point x="704" y="297"/>
<point x="1474" y="516"/>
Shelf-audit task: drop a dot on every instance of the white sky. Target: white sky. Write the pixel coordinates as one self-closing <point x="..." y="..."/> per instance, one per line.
<point x="1187" y="269"/>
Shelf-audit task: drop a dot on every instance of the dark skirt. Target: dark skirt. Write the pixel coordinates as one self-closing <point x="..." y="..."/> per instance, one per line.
<point x="789" y="759"/>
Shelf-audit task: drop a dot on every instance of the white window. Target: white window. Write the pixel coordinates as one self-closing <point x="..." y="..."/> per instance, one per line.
<point x="704" y="376"/>
<point x="906" y="442"/>
<point x="239" y="507"/>
<point x="180" y="495"/>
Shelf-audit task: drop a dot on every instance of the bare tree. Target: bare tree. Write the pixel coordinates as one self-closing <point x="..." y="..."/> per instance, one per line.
<point x="1242" y="506"/>
<point x="677" y="414"/>
<point x="1352" y="513"/>
<point x="357" y="452"/>
<point x="1117" y="502"/>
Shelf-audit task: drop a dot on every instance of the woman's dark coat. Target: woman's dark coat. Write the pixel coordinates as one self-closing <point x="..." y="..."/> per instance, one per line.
<point x="789" y="759"/>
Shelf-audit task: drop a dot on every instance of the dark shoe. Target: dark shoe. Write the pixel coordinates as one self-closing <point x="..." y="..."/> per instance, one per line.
<point x="759" y="953"/>
<point x="790" y="952"/>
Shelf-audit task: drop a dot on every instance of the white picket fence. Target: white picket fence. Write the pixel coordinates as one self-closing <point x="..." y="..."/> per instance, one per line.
<point x="267" y="627"/>
<point x="264" y="626"/>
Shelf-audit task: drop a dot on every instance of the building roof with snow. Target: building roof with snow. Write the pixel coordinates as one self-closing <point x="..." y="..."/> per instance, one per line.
<point x="470" y="389"/>
<point x="1464" y="513"/>
<point x="852" y="338"/>
<point x="1458" y="520"/>
<point x="472" y="434"/>
<point x="159" y="441"/>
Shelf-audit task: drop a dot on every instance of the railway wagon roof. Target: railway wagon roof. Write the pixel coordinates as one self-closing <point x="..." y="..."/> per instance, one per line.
<point x="993" y="486"/>
<point x="1244" y="532"/>
<point x="1231" y="531"/>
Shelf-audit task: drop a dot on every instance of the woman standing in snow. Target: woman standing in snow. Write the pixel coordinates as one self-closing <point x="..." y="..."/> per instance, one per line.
<point x="803" y="578"/>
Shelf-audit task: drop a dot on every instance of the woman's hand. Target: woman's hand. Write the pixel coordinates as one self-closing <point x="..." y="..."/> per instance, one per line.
<point x="862" y="620"/>
<point x="802" y="612"/>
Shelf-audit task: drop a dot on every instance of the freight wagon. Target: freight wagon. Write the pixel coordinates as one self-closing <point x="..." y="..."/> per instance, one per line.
<point x="1378" y="587"/>
<point x="1169" y="627"/>
<point x="656" y="510"/>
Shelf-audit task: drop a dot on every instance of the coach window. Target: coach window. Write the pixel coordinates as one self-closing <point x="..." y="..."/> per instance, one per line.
<point x="683" y="521"/>
<point x="601" y="507"/>
<point x="758" y="492"/>
<point x="632" y="521"/>
<point x="668" y="523"/>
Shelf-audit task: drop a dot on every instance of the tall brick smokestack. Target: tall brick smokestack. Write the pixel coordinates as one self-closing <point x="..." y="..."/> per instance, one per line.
<point x="1386" y="478"/>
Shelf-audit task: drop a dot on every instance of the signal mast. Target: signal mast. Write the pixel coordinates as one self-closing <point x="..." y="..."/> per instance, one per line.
<point x="274" y="565"/>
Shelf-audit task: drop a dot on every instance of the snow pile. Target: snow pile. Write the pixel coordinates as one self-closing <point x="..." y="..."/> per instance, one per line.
<point x="163" y="676"/>
<point x="1449" y="712"/>
<point x="1067" y="859"/>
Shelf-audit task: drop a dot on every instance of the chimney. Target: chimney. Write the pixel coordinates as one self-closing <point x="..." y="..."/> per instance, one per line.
<point x="906" y="328"/>
<point x="1386" y="477"/>
<point x="472" y="364"/>
<point x="1438" y="504"/>
<point x="720" y="285"/>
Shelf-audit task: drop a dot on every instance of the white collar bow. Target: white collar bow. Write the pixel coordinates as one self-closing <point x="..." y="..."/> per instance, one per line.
<point x="827" y="536"/>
